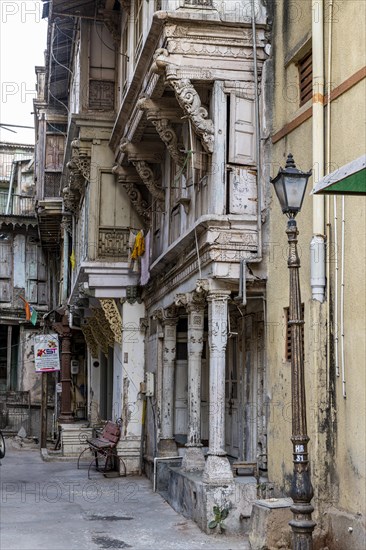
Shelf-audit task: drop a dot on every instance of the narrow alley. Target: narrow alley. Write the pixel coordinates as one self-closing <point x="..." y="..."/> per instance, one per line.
<point x="53" y="505"/>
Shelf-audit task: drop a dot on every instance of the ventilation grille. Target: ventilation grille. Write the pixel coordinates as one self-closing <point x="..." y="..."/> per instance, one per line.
<point x="306" y="78"/>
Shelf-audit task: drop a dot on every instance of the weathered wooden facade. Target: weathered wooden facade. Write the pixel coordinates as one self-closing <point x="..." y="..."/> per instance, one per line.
<point x="23" y="276"/>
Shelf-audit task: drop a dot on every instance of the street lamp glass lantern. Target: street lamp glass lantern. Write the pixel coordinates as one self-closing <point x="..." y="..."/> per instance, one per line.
<point x="290" y="185"/>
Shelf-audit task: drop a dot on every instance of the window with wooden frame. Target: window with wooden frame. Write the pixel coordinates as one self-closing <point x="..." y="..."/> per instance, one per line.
<point x="138" y="27"/>
<point x="102" y="60"/>
<point x="288" y="349"/>
<point x="305" y="66"/>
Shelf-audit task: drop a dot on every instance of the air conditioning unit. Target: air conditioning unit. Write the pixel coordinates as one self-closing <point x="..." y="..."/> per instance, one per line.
<point x="74" y="365"/>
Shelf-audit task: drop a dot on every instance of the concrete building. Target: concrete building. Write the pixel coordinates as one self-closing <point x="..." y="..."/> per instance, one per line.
<point x="318" y="116"/>
<point x="22" y="277"/>
<point x="162" y="123"/>
<point x="162" y="106"/>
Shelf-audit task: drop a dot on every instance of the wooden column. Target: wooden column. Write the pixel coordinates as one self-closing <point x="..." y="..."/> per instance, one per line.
<point x="65" y="334"/>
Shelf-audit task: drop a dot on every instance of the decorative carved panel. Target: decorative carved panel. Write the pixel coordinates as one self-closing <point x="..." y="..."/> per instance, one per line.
<point x="101" y="95"/>
<point x="113" y="243"/>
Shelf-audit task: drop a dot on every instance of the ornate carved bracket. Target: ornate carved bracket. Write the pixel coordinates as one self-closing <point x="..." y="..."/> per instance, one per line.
<point x="80" y="160"/>
<point x="128" y="180"/>
<point x="148" y="177"/>
<point x="161" y="121"/>
<point x="113" y="317"/>
<point x="187" y="97"/>
<point x="190" y="101"/>
<point x="71" y="199"/>
<point x="66" y="223"/>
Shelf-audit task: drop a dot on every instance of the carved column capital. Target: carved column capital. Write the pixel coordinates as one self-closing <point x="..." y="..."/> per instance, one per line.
<point x="192" y="301"/>
<point x="167" y="316"/>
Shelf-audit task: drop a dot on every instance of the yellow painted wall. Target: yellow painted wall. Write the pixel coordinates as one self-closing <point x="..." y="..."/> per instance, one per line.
<point x="336" y="425"/>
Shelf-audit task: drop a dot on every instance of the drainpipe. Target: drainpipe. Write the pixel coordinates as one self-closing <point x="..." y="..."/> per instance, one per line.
<point x="317" y="245"/>
<point x="243" y="263"/>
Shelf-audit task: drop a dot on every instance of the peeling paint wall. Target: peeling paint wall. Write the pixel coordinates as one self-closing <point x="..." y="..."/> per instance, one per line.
<point x="336" y="424"/>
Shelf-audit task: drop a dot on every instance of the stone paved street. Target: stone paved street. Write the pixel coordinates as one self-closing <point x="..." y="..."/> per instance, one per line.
<point x="52" y="505"/>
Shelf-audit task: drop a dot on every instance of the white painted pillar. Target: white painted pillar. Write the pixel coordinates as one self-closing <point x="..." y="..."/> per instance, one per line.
<point x="195" y="304"/>
<point x="167" y="445"/>
<point x="132" y="368"/>
<point x="217" y="469"/>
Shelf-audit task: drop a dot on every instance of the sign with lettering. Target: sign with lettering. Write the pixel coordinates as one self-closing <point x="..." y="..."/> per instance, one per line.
<point x="46" y="353"/>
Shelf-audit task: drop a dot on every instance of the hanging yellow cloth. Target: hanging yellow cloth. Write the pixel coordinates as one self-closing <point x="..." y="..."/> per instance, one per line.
<point x="139" y="246"/>
<point x="73" y="259"/>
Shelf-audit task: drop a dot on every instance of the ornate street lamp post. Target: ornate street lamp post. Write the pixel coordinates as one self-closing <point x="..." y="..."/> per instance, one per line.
<point x="290" y="186"/>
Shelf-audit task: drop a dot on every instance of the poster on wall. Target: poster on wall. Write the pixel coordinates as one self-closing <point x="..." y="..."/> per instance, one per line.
<point x="46" y="353"/>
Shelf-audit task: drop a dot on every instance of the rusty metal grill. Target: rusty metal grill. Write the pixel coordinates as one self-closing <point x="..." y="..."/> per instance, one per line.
<point x="52" y="181"/>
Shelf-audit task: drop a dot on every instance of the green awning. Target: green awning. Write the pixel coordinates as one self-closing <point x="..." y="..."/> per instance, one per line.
<point x="347" y="180"/>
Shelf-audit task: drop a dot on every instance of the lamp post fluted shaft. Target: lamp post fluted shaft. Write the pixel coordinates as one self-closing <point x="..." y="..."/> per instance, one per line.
<point x="301" y="489"/>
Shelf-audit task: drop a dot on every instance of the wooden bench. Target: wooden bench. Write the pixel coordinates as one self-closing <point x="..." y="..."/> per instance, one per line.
<point x="104" y="446"/>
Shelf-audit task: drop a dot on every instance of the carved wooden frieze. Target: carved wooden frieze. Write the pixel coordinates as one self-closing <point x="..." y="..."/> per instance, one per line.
<point x="104" y="326"/>
<point x="90" y="340"/>
<point x="113" y="317"/>
<point x="98" y="335"/>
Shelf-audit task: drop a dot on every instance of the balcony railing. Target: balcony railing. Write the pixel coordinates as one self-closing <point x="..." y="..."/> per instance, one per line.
<point x="20" y="205"/>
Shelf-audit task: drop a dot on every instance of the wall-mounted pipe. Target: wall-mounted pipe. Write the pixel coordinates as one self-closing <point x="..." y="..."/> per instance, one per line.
<point x="342" y="302"/>
<point x="258" y="258"/>
<point x="317" y="246"/>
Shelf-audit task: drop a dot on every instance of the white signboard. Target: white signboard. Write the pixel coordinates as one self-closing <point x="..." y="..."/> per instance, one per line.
<point x="46" y="353"/>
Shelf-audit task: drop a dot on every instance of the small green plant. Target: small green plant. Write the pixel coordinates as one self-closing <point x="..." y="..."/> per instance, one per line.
<point x="220" y="513"/>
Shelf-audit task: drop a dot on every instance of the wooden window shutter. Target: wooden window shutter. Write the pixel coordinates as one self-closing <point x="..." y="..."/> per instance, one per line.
<point x="242" y="131"/>
<point x="306" y="78"/>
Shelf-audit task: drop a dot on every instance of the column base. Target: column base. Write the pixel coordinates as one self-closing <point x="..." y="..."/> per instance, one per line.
<point x="217" y="470"/>
<point x="167" y="447"/>
<point x="193" y="460"/>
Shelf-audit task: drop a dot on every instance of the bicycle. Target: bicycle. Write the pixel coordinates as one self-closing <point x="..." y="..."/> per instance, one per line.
<point x="2" y="445"/>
